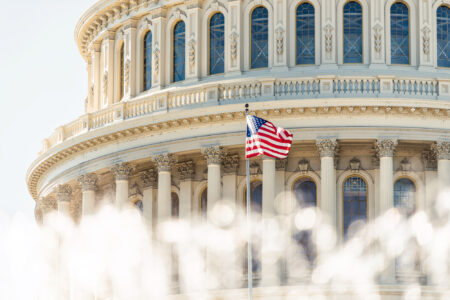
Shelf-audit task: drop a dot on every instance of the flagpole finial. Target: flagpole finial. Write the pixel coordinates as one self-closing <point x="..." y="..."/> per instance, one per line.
<point x="246" y="108"/>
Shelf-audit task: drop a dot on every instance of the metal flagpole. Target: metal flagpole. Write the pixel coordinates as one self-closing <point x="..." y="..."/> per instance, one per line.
<point x="249" y="228"/>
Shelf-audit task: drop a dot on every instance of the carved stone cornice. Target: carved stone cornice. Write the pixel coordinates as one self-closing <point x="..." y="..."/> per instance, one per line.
<point x="164" y="161"/>
<point x="230" y="164"/>
<point x="88" y="182"/>
<point x="64" y="192"/>
<point x="327" y="147"/>
<point x="213" y="154"/>
<point x="122" y="170"/>
<point x="385" y="147"/>
<point x="280" y="164"/>
<point x="149" y="178"/>
<point x="186" y="170"/>
<point x="442" y="150"/>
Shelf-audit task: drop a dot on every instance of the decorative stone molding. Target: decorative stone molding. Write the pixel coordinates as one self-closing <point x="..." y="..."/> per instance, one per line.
<point x="191" y="45"/>
<point x="429" y="160"/>
<point x="354" y="164"/>
<point x="230" y="164"/>
<point x="442" y="150"/>
<point x="255" y="168"/>
<point x="327" y="147"/>
<point x="105" y="84"/>
<point x="304" y="166"/>
<point x="426" y="40"/>
<point x="405" y="165"/>
<point x="122" y="170"/>
<point x="134" y="193"/>
<point x="149" y="178"/>
<point x="233" y="45"/>
<point x="328" y="33"/>
<point x="156" y="60"/>
<point x="280" y="164"/>
<point x="213" y="154"/>
<point x="385" y="147"/>
<point x="378" y="37"/>
<point x="64" y="192"/>
<point x="164" y="162"/>
<point x="126" y="75"/>
<point x="88" y="182"/>
<point x="186" y="170"/>
<point x="280" y="40"/>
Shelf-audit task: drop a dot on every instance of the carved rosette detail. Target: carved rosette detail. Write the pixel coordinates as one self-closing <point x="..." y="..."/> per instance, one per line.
<point x="213" y="154"/>
<point x="327" y="147"/>
<point x="385" y="147"/>
<point x="164" y="162"/>
<point x="442" y="150"/>
<point x="88" y="182"/>
<point x="64" y="192"/>
<point x="186" y="170"/>
<point x="230" y="164"/>
<point x="149" y="178"/>
<point x="122" y="170"/>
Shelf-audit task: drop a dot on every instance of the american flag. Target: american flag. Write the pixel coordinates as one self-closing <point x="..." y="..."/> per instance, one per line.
<point x="264" y="138"/>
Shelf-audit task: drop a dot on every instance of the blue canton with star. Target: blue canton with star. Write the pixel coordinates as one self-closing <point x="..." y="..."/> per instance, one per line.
<point x="253" y="125"/>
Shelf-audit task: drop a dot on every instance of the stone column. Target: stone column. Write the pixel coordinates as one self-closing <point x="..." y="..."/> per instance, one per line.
<point x="148" y="178"/>
<point x="88" y="186"/>
<point x="213" y="157"/>
<point x="45" y="206"/>
<point x="186" y="172"/>
<point x="108" y="74"/>
<point x="385" y="149"/>
<point x="431" y="184"/>
<point x="130" y="61"/>
<point x="164" y="163"/>
<point x="121" y="173"/>
<point x="96" y="75"/>
<point x="64" y="193"/>
<point x="159" y="68"/>
<point x="327" y="149"/>
<point x="280" y="202"/>
<point x="442" y="150"/>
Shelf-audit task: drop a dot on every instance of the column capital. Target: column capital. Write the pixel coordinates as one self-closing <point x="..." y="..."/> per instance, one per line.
<point x="327" y="147"/>
<point x="385" y="147"/>
<point x="122" y="170"/>
<point x="213" y="154"/>
<point x="442" y="150"/>
<point x="230" y="164"/>
<point x="149" y="178"/>
<point x="429" y="160"/>
<point x="186" y="170"/>
<point x="88" y="182"/>
<point x="64" y="192"/>
<point x="164" y="161"/>
<point x="46" y="204"/>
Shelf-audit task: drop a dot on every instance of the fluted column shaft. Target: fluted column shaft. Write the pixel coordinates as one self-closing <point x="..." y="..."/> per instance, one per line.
<point x="213" y="157"/>
<point x="442" y="150"/>
<point x="164" y="163"/>
<point x="88" y="186"/>
<point x="148" y="196"/>
<point x="386" y="148"/>
<point x="96" y="76"/>
<point x="64" y="192"/>
<point x="186" y="172"/>
<point x="327" y="149"/>
<point x="121" y="172"/>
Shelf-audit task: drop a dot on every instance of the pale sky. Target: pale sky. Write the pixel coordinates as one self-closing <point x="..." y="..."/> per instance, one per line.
<point x="43" y="84"/>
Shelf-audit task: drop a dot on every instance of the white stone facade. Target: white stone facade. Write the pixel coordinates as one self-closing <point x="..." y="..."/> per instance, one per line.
<point x="375" y="120"/>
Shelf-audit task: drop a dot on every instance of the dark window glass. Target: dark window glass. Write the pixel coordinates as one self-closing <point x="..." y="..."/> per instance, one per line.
<point x="217" y="44"/>
<point x="305" y="192"/>
<point x="148" y="60"/>
<point x="204" y="203"/>
<point x="405" y="196"/>
<point x="139" y="205"/>
<point x="305" y="53"/>
<point x="353" y="38"/>
<point x="443" y="36"/>
<point x="179" y="52"/>
<point x="260" y="38"/>
<point x="122" y="67"/>
<point x="399" y="34"/>
<point x="355" y="202"/>
<point x="175" y="205"/>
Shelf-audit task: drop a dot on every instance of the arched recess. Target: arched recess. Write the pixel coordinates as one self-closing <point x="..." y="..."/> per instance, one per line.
<point x="145" y="26"/>
<point x="418" y="182"/>
<point x="340" y="199"/>
<point x="174" y="190"/>
<point x="434" y="48"/>
<point x="211" y="9"/>
<point x="196" y="202"/>
<point x="340" y="30"/>
<point x="293" y="178"/>
<point x="176" y="16"/>
<point x="249" y="7"/>
<point x="412" y="30"/>
<point x="293" y="30"/>
<point x="241" y="188"/>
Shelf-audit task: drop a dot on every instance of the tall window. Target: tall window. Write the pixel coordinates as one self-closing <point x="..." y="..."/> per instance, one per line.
<point x="353" y="38"/>
<point x="256" y="209"/>
<point x="443" y="36"/>
<point x="175" y="205"/>
<point x="122" y="70"/>
<point x="217" y="44"/>
<point x="148" y="60"/>
<point x="305" y="53"/>
<point x="179" y="51"/>
<point x="260" y="38"/>
<point x="404" y="196"/>
<point x="399" y="34"/>
<point x="355" y="202"/>
<point x="204" y="203"/>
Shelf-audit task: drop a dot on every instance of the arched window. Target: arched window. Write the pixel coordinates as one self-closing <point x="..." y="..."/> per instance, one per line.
<point x="139" y="205"/>
<point x="217" y="44"/>
<point x="443" y="36"/>
<point x="305" y="53"/>
<point x="399" y="34"/>
<point x="405" y="196"/>
<point x="305" y="192"/>
<point x="179" y="51"/>
<point x="148" y="60"/>
<point x="260" y="38"/>
<point x="122" y="70"/>
<point x="355" y="201"/>
<point x="204" y="203"/>
<point x="353" y="37"/>
<point x="175" y="205"/>
<point x="256" y="209"/>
